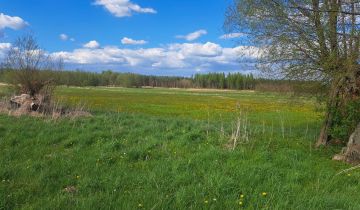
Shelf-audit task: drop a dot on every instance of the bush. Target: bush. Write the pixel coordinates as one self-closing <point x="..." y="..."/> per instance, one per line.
<point x="345" y="120"/>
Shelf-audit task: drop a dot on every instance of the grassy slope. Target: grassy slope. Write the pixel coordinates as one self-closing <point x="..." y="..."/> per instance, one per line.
<point x="123" y="160"/>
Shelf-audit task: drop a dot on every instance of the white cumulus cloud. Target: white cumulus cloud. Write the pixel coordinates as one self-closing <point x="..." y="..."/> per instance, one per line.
<point x="123" y="8"/>
<point x="193" y="36"/>
<point x="208" y="49"/>
<point x="130" y="41"/>
<point x="4" y="47"/>
<point x="92" y="44"/>
<point x="232" y="36"/>
<point x="178" y="58"/>
<point x="64" y="37"/>
<point x="12" y="22"/>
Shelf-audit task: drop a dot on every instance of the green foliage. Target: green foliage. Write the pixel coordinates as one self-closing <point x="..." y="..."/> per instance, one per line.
<point x="6" y="75"/>
<point x="235" y="81"/>
<point x="7" y="91"/>
<point x="346" y="119"/>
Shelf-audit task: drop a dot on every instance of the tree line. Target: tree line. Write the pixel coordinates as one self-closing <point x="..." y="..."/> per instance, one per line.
<point x="232" y="81"/>
<point x="236" y="81"/>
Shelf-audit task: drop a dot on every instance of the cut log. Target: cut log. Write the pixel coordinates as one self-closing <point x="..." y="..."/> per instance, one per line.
<point x="24" y="103"/>
<point x="17" y="101"/>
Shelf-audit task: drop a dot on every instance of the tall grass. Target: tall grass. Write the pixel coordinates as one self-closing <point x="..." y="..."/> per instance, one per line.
<point x="129" y="161"/>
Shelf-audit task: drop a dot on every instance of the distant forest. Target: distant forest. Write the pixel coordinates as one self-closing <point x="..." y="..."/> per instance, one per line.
<point x="233" y="81"/>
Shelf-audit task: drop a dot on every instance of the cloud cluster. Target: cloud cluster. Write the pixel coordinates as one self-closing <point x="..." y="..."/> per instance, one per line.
<point x="178" y="57"/>
<point x="92" y="45"/>
<point x="130" y="41"/>
<point x="193" y="36"/>
<point x="12" y="22"/>
<point x="123" y="8"/>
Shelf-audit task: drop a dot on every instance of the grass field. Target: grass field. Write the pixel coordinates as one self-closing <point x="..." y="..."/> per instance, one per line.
<point x="172" y="149"/>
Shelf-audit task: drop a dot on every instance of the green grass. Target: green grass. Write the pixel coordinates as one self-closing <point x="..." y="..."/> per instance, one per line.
<point x="195" y="104"/>
<point x="163" y="149"/>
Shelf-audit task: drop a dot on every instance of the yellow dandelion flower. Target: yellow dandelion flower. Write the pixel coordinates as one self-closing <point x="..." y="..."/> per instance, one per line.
<point x="241" y="196"/>
<point x="206" y="201"/>
<point x="241" y="203"/>
<point x="349" y="174"/>
<point x="78" y="177"/>
<point x="264" y="194"/>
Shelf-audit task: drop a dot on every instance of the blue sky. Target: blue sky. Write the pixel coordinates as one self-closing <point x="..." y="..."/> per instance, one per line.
<point x="163" y="37"/>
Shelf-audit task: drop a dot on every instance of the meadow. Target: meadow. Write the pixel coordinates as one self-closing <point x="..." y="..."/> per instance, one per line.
<point x="173" y="149"/>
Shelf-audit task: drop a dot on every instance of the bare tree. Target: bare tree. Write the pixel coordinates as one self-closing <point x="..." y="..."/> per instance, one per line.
<point x="28" y="60"/>
<point x="306" y="39"/>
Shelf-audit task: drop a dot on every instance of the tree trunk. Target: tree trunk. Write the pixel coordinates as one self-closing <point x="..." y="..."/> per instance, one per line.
<point x="332" y="105"/>
<point x="325" y="137"/>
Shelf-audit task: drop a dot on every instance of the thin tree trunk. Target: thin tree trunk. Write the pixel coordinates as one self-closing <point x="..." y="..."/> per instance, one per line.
<point x="324" y="137"/>
<point x="332" y="105"/>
